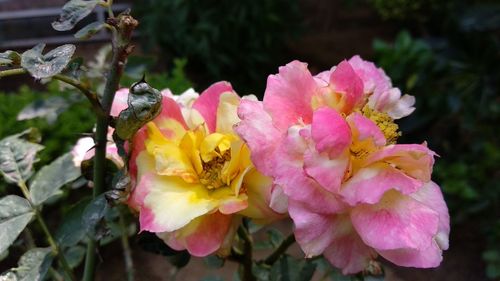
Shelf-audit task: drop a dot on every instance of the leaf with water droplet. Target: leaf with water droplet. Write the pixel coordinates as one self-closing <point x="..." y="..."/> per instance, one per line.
<point x="32" y="266"/>
<point x="17" y="157"/>
<point x="48" y="181"/>
<point x="73" y="12"/>
<point x="89" y="30"/>
<point x="15" y="214"/>
<point x="50" y="64"/>
<point x="10" y="58"/>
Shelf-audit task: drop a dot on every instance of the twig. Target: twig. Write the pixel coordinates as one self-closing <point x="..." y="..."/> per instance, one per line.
<point x="91" y="96"/>
<point x="127" y="253"/>
<point x="50" y="239"/>
<point x="124" y="26"/>
<point x="247" y="254"/>
<point x="271" y="259"/>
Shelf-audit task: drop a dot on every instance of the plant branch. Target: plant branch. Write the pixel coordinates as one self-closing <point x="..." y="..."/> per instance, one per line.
<point x="11" y="72"/>
<point x="123" y="28"/>
<point x="53" y="245"/>
<point x="247" y="254"/>
<point x="127" y="253"/>
<point x="271" y="259"/>
<point x="92" y="97"/>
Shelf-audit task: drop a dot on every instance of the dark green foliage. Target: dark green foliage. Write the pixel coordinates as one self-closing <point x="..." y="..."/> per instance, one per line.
<point x="453" y="73"/>
<point x="238" y="41"/>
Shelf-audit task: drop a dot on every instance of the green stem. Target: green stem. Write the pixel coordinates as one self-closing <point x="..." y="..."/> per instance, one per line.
<point x="271" y="259"/>
<point x="53" y="245"/>
<point x="11" y="72"/>
<point x="247" y="254"/>
<point x="92" y="97"/>
<point x="124" y="25"/>
<point x="127" y="253"/>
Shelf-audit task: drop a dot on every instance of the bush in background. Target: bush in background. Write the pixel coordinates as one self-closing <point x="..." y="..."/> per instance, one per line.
<point x="238" y="41"/>
<point x="452" y="69"/>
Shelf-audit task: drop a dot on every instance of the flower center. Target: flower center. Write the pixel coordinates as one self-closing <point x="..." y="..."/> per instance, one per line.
<point x="384" y="122"/>
<point x="211" y="175"/>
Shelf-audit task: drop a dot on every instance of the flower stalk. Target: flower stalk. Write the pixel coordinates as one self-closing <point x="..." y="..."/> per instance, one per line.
<point x="122" y="33"/>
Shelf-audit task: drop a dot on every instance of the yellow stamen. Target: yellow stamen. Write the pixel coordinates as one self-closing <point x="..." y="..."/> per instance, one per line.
<point x="384" y="122"/>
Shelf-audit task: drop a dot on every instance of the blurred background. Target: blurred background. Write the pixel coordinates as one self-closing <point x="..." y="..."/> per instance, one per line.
<point x="445" y="53"/>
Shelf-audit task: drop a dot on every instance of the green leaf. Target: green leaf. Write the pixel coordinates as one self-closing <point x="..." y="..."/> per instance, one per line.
<point x="74" y="255"/>
<point x="15" y="214"/>
<point x="48" y="181"/>
<point x="73" y="12"/>
<point x="32" y="266"/>
<point x="50" y="64"/>
<point x="93" y="214"/>
<point x="71" y="231"/>
<point x="17" y="157"/>
<point x="89" y="30"/>
<point x="49" y="109"/>
<point x="10" y="58"/>
<point x="144" y="105"/>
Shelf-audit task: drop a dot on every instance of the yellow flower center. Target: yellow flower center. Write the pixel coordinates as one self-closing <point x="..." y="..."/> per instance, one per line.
<point x="211" y="175"/>
<point x="384" y="122"/>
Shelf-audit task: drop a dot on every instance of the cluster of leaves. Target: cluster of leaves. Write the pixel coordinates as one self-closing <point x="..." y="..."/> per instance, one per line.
<point x="238" y="41"/>
<point x="453" y="72"/>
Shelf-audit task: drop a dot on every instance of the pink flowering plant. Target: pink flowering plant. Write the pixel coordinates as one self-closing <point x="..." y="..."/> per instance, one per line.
<point x="200" y="174"/>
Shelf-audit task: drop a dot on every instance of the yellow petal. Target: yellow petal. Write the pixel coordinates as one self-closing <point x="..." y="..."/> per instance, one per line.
<point x="227" y="114"/>
<point x="174" y="203"/>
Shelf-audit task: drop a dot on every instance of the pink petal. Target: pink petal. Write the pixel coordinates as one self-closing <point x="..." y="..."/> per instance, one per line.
<point x="330" y="132"/>
<point x="290" y="175"/>
<point x="428" y="257"/>
<point x="259" y="134"/>
<point x="345" y="81"/>
<point x="370" y="183"/>
<point x="329" y="173"/>
<point x="396" y="222"/>
<point x="413" y="159"/>
<point x="288" y="95"/>
<point x="279" y="200"/>
<point x="201" y="237"/>
<point x="313" y="231"/>
<point x="366" y="129"/>
<point x="170" y="110"/>
<point x="348" y="252"/>
<point x="119" y="102"/>
<point x="208" y="102"/>
<point x="431" y="196"/>
<point x="375" y="81"/>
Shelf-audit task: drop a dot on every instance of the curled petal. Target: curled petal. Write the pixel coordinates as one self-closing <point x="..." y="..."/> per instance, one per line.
<point x="370" y="183"/>
<point x="258" y="132"/>
<point x="296" y="184"/>
<point x="344" y="81"/>
<point x="202" y="236"/>
<point x="208" y="103"/>
<point x="431" y="196"/>
<point x="413" y="159"/>
<point x="288" y="95"/>
<point x="365" y="129"/>
<point x="258" y="189"/>
<point x="347" y="251"/>
<point x="330" y="132"/>
<point x="314" y="232"/>
<point x="428" y="257"/>
<point x="326" y="171"/>
<point x="375" y="81"/>
<point x="227" y="115"/>
<point x="396" y="222"/>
